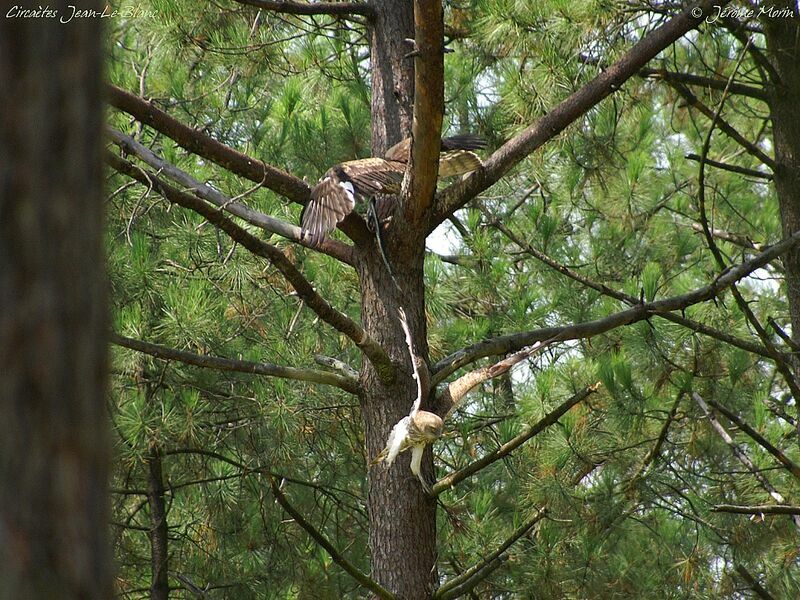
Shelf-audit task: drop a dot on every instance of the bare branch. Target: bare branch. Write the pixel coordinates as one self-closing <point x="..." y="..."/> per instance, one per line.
<point x="256" y="171"/>
<point x="420" y="182"/>
<point x="706" y="82"/>
<point x="336" y="365"/>
<point x="338" y="320"/>
<point x="753" y="583"/>
<point x="565" y="113"/>
<point x="734" y="238"/>
<point x="461" y="260"/>
<point x="278" y="181"/>
<point x="242" y="366"/>
<point x="291" y="7"/>
<point x="632" y="300"/>
<point x="329" y="246"/>
<point x="656" y="449"/>
<point x="739" y="453"/>
<point x="460" y="585"/>
<point x="733" y="168"/>
<point x="783" y="335"/>
<point x="792" y="467"/>
<point x="724" y="126"/>
<point x="445" y="483"/>
<point x="512" y="342"/>
<point x="763" y="509"/>
<point x="320" y="539"/>
<point x="741" y="31"/>
<point x="245" y="470"/>
<point x="192" y="587"/>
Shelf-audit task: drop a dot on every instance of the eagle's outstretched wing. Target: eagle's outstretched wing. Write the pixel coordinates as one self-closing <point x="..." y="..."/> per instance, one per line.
<point x="335" y="196"/>
<point x="456" y="156"/>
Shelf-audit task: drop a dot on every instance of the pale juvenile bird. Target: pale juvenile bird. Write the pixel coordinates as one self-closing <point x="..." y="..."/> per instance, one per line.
<point x="415" y="431"/>
<point x="335" y="196"/>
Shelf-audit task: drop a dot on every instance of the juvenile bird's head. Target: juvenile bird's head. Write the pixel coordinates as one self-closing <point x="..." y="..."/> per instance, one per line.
<point x="428" y="426"/>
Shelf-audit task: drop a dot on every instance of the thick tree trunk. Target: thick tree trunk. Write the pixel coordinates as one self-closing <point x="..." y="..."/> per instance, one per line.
<point x="784" y="52"/>
<point x="402" y="517"/>
<point x="159" y="562"/>
<point x="53" y="444"/>
<point x="392" y="74"/>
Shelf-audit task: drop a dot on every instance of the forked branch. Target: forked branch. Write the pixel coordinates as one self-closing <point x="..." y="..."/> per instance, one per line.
<point x="458" y="586"/>
<point x="241" y="366"/>
<point x="329" y="246"/>
<point x="569" y="110"/>
<point x="510" y="343"/>
<point x="445" y="483"/>
<point x="336" y="319"/>
<point x="279" y="181"/>
<point x="320" y="539"/>
<point x="740" y="454"/>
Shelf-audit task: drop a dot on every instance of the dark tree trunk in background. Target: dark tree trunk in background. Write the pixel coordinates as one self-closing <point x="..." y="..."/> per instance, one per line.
<point x="784" y="52"/>
<point x="159" y="561"/>
<point x="783" y="46"/>
<point x="402" y="517"/>
<point x="53" y="444"/>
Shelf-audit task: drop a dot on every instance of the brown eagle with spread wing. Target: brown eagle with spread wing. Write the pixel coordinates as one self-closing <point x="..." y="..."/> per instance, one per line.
<point x="335" y="196"/>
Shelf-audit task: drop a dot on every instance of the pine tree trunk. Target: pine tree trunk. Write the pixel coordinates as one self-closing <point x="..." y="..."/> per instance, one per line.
<point x="784" y="52"/>
<point x="159" y="561"/>
<point x="402" y="517"/>
<point x="392" y="73"/>
<point x="53" y="330"/>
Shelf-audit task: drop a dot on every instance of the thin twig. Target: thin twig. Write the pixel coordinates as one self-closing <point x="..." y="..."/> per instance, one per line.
<point x="733" y="168"/>
<point x="320" y="539"/>
<point x="792" y="467"/>
<point x="460" y="585"/>
<point x="740" y="454"/>
<point x="445" y="483"/>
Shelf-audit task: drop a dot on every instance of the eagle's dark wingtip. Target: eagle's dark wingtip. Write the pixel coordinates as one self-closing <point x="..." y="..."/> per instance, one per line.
<point x="467" y="141"/>
<point x="311" y="238"/>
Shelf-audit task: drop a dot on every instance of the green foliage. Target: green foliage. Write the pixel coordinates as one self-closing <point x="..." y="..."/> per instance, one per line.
<point x="629" y="476"/>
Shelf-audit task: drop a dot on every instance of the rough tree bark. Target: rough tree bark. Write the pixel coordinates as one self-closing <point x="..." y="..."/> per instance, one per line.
<point x="402" y="516"/>
<point x="392" y="74"/>
<point x="53" y="442"/>
<point x="783" y="46"/>
<point x="159" y="558"/>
